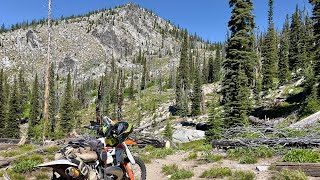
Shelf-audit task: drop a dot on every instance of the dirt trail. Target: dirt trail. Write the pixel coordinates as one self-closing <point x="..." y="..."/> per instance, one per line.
<point x="154" y="169"/>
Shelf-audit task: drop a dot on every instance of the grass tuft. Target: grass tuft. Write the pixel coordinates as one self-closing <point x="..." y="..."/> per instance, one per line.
<point x="242" y="175"/>
<point x="248" y="160"/>
<point x="217" y="172"/>
<point x="289" y="175"/>
<point x="302" y="156"/>
<point x="169" y="169"/>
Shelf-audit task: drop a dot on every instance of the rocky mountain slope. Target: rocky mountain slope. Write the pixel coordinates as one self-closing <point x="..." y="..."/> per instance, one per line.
<point x="85" y="44"/>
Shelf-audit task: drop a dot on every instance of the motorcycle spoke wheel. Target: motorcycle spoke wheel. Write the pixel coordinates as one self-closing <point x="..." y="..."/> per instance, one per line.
<point x="138" y="169"/>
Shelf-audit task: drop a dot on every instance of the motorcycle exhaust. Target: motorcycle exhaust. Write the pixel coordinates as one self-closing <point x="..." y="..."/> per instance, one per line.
<point x="73" y="172"/>
<point x="116" y="171"/>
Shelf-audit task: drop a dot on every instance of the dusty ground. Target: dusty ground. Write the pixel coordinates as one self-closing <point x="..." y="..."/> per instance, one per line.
<point x="154" y="169"/>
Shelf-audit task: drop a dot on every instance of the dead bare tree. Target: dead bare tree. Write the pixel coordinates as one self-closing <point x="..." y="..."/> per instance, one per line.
<point x="46" y="105"/>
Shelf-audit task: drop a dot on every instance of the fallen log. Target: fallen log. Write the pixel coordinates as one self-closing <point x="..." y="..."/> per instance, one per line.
<point x="141" y="128"/>
<point x="11" y="141"/>
<point x="285" y="142"/>
<point x="310" y="169"/>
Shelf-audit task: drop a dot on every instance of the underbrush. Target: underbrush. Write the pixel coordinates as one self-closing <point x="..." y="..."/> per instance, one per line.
<point x="21" y="150"/>
<point x="210" y="157"/>
<point x="223" y="172"/>
<point x="302" y="156"/>
<point x="176" y="173"/>
<point x="195" y="146"/>
<point x="250" y="155"/>
<point x="289" y="175"/>
<point x="150" y="153"/>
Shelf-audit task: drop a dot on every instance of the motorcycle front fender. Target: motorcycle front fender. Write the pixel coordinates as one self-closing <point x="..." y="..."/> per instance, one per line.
<point x="129" y="155"/>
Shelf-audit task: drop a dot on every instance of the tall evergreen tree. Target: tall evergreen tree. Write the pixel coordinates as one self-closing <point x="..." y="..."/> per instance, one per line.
<point x="35" y="107"/>
<point x="215" y="121"/>
<point x="284" y="73"/>
<point x="2" y="106"/>
<point x="144" y="74"/>
<point x="295" y="41"/>
<point x="316" y="27"/>
<point x="182" y="82"/>
<point x="52" y="99"/>
<point x="211" y="72"/>
<point x="131" y="88"/>
<point x="23" y="92"/>
<point x="270" y="53"/>
<point x="106" y="95"/>
<point x="217" y="65"/>
<point x="239" y="63"/>
<point x="205" y="70"/>
<point x="12" y="128"/>
<point x="67" y="110"/>
<point x="196" y="96"/>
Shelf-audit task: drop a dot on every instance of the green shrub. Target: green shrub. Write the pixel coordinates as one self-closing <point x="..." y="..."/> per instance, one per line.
<point x="10" y="153"/>
<point x="52" y="149"/>
<point x="150" y="153"/>
<point x="25" y="166"/>
<point x="242" y="175"/>
<point x="248" y="160"/>
<point x="192" y="156"/>
<point x="26" y="147"/>
<point x="258" y="152"/>
<point x="289" y="175"/>
<point x="169" y="169"/>
<point x="302" y="156"/>
<point x="210" y="156"/>
<point x="50" y="157"/>
<point x="198" y="145"/>
<point x="161" y="153"/>
<point x="33" y="157"/>
<point x="217" y="172"/>
<point x="181" y="174"/>
<point x="16" y="176"/>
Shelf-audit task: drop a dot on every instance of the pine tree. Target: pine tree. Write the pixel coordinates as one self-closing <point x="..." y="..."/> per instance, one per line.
<point x="131" y="89"/>
<point x="35" y="107"/>
<point x="196" y="96"/>
<point x="168" y="132"/>
<point x="23" y="92"/>
<point x="106" y="94"/>
<point x="120" y="85"/>
<point x="295" y="41"/>
<point x="2" y="106"/>
<point x="211" y="72"/>
<point x="12" y="128"/>
<point x="215" y="121"/>
<point x="217" y="65"/>
<point x="316" y="27"/>
<point x="52" y="99"/>
<point x="182" y="82"/>
<point x="284" y="73"/>
<point x="144" y="74"/>
<point x="67" y="108"/>
<point x="191" y="67"/>
<point x="239" y="63"/>
<point x="205" y="71"/>
<point x="270" y="54"/>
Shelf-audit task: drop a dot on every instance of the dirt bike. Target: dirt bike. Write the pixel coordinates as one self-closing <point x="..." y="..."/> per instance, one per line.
<point x="102" y="160"/>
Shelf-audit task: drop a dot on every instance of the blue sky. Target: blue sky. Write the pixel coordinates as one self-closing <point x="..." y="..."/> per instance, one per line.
<point x="208" y="18"/>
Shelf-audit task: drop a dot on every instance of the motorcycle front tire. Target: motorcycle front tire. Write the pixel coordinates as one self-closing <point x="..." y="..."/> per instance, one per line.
<point x="142" y="168"/>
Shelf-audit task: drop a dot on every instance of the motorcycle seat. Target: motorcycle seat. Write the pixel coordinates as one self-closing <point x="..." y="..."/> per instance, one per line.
<point x="87" y="157"/>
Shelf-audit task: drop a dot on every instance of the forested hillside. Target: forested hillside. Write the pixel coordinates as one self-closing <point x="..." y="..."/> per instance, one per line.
<point x="251" y="91"/>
